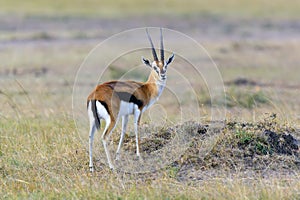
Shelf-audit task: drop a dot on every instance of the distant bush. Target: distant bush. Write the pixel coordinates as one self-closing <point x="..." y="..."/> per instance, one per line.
<point x="245" y="98"/>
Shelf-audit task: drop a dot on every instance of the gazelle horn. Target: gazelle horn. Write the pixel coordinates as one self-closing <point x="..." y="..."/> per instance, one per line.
<point x="152" y="46"/>
<point x="162" y="53"/>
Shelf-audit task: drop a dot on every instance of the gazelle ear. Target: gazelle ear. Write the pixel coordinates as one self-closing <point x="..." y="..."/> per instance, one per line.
<point x="170" y="59"/>
<point x="146" y="62"/>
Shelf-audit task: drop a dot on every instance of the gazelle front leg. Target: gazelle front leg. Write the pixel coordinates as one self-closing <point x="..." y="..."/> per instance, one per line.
<point x="137" y="114"/>
<point x="124" y="127"/>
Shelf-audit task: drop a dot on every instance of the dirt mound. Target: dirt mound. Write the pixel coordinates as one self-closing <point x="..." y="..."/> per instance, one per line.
<point x="282" y="143"/>
<point x="266" y="146"/>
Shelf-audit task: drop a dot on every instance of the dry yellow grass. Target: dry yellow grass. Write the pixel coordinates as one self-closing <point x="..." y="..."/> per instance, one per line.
<point x="44" y="158"/>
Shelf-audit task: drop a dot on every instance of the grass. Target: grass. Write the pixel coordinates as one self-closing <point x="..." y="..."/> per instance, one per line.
<point x="44" y="158"/>
<point x="106" y="8"/>
<point x="116" y="73"/>
<point x="239" y="97"/>
<point x="245" y="98"/>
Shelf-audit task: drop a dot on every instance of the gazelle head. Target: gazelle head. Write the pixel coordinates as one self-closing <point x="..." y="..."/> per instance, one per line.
<point x="159" y="66"/>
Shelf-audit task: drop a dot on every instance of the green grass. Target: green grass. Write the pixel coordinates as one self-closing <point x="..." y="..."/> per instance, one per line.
<point x="118" y="8"/>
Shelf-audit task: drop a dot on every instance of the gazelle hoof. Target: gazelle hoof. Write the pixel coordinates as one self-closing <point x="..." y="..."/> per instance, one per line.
<point x="91" y="169"/>
<point x="140" y="159"/>
<point x="117" y="157"/>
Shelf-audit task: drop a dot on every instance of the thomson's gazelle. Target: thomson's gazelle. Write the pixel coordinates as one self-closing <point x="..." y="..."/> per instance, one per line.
<point x="111" y="100"/>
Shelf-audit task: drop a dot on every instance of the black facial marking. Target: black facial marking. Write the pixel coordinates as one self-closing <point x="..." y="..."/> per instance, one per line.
<point x="125" y="96"/>
<point x="156" y="69"/>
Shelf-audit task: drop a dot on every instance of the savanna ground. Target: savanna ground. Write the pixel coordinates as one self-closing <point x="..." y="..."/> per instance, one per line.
<point x="248" y="152"/>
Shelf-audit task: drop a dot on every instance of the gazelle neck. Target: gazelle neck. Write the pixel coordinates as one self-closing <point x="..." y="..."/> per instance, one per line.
<point x="156" y="83"/>
<point x="156" y="86"/>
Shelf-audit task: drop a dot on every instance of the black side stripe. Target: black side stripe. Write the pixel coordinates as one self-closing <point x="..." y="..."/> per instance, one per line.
<point x="95" y="113"/>
<point x="125" y="96"/>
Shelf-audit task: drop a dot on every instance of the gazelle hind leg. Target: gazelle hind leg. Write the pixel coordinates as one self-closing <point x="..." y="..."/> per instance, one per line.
<point x="109" y="127"/>
<point x="124" y="127"/>
<point x="92" y="118"/>
<point x="91" y="140"/>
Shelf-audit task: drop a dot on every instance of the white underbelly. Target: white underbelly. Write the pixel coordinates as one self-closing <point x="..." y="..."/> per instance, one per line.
<point x="127" y="108"/>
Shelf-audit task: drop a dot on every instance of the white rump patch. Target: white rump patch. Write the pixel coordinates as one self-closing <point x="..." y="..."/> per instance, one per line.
<point x="102" y="112"/>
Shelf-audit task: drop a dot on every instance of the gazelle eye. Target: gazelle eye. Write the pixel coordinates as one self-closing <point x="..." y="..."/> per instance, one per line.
<point x="156" y="69"/>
